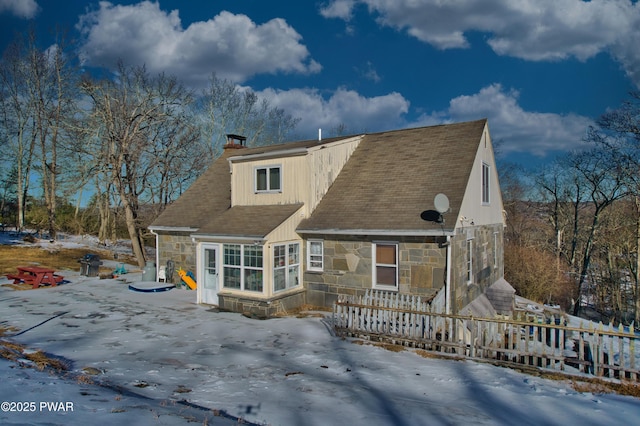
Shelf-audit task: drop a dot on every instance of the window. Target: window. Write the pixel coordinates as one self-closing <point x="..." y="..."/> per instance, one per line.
<point x="315" y="255"/>
<point x="253" y="268"/>
<point x="469" y="261"/>
<point x="286" y="266"/>
<point x="242" y="267"/>
<point x="385" y="265"/>
<point x="232" y="266"/>
<point x="485" y="183"/>
<point x="268" y="179"/>
<point x="496" y="240"/>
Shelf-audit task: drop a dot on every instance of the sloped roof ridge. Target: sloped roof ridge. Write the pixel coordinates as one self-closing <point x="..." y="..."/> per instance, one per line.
<point x="308" y="143"/>
<point x="314" y="142"/>
<point x="393" y="176"/>
<point x="432" y="126"/>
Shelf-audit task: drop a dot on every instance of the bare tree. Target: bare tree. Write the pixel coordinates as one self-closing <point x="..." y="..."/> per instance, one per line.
<point x="17" y="121"/>
<point x="561" y="190"/>
<point x="604" y="185"/>
<point x="226" y="108"/>
<point x="52" y="89"/>
<point x="614" y="262"/>
<point x="37" y="96"/>
<point x="131" y="117"/>
<point x="535" y="209"/>
<point x="619" y="132"/>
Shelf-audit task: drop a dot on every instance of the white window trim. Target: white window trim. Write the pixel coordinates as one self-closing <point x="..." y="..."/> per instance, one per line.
<point x="286" y="266"/>
<point x="495" y="249"/>
<point x="485" y="184"/>
<point x="242" y="268"/>
<point x="268" y="169"/>
<point x="310" y="267"/>
<point x="374" y="264"/>
<point x="469" y="261"/>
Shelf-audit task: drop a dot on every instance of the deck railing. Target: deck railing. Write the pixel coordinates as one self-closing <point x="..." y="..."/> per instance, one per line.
<point x="600" y="350"/>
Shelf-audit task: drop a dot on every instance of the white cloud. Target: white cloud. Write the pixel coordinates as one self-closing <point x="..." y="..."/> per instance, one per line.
<point x="342" y="9"/>
<point x="21" y="8"/>
<point x="529" y="29"/>
<point x="342" y="107"/>
<point x="232" y="45"/>
<point x="369" y="72"/>
<point x="517" y="130"/>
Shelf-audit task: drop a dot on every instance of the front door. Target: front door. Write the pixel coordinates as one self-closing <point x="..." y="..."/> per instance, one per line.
<point x="209" y="271"/>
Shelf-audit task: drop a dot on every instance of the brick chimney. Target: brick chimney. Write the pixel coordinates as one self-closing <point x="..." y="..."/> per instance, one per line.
<point x="235" y="142"/>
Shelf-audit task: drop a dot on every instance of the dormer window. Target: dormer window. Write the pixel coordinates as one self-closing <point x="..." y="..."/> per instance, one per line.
<point x="268" y="179"/>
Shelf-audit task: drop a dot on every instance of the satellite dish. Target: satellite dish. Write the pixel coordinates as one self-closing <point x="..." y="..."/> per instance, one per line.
<point x="431" y="216"/>
<point x="441" y="203"/>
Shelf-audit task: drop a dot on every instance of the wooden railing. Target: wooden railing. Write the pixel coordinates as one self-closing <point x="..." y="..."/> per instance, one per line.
<point x="599" y="350"/>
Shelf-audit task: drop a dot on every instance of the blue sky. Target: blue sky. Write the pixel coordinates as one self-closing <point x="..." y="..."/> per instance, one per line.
<point x="541" y="71"/>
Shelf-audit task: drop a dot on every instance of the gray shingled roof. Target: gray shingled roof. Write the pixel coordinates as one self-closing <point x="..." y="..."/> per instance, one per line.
<point x="283" y="147"/>
<point x="394" y="176"/>
<point x="389" y="180"/>
<point x="248" y="221"/>
<point x="208" y="196"/>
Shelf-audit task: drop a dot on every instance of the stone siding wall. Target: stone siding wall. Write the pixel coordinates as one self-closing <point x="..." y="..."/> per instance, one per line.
<point x="179" y="248"/>
<point x="261" y="308"/>
<point x="484" y="270"/>
<point x="348" y="268"/>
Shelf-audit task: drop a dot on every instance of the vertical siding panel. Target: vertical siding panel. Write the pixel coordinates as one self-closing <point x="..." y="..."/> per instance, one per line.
<point x="305" y="178"/>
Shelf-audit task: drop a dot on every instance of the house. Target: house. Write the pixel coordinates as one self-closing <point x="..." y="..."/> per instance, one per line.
<point x="416" y="211"/>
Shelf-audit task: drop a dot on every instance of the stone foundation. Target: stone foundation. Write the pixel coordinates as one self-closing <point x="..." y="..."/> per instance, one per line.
<point x="262" y="308"/>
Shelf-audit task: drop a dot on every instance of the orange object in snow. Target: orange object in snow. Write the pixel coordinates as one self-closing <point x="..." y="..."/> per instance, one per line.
<point x="187" y="279"/>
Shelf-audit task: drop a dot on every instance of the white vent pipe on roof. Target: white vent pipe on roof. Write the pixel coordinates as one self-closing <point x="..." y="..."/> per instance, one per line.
<point x="319" y="134"/>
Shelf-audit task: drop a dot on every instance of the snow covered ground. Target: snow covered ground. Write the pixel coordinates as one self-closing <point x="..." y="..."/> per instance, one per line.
<point x="159" y="358"/>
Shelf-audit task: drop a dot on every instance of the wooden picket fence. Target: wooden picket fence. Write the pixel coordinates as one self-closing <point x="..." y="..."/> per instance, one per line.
<point x="603" y="351"/>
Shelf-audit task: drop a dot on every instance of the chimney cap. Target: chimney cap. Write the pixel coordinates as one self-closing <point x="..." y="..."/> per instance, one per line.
<point x="231" y="136"/>
<point x="235" y="141"/>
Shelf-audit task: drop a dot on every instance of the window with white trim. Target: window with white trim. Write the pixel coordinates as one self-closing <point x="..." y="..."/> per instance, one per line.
<point x="495" y="249"/>
<point x="286" y="266"/>
<point x="315" y="255"/>
<point x="486" y="183"/>
<point x="385" y="265"/>
<point x="268" y="179"/>
<point x="469" y="261"/>
<point x="242" y="267"/>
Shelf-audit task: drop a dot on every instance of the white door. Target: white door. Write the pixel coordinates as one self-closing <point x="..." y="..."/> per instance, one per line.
<point x="209" y="271"/>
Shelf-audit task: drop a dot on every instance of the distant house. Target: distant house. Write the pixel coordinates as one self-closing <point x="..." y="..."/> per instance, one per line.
<point x="267" y="230"/>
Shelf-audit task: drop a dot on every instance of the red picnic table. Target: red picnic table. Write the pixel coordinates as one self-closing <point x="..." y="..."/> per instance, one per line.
<point x="35" y="276"/>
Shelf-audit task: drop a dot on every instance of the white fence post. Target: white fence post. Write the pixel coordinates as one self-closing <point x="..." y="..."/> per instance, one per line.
<point x="397" y="318"/>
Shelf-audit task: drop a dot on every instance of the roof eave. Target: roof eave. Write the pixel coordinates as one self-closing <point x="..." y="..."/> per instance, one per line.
<point x="266" y="155"/>
<point x="173" y="228"/>
<point x="381" y="232"/>
<point x="256" y="239"/>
